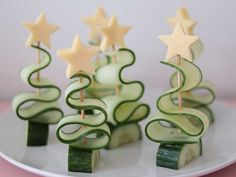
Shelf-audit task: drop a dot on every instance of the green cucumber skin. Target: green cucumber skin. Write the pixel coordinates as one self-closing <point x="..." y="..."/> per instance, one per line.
<point x="168" y="155"/>
<point x="79" y="160"/>
<point x="87" y="111"/>
<point x="114" y="128"/>
<point x="37" y="134"/>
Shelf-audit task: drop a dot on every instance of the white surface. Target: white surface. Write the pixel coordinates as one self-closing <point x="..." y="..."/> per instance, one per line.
<point x="137" y="159"/>
<point x="216" y="27"/>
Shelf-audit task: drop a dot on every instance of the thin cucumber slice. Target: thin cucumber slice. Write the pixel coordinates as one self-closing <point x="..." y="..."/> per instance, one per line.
<point x="184" y="129"/>
<point x="37" y="134"/>
<point x="175" y="156"/>
<point x="124" y="134"/>
<point x="207" y="110"/>
<point x="82" y="160"/>
<point x="96" y="89"/>
<point x="196" y="49"/>
<point x="204" y="99"/>
<point x="92" y="123"/>
<point x="192" y="99"/>
<point x="123" y="108"/>
<point x="40" y="108"/>
<point x="81" y="155"/>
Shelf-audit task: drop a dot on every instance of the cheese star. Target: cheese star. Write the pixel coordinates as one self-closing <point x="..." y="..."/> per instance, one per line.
<point x="113" y="34"/>
<point x="183" y="18"/>
<point x="98" y="20"/>
<point x="40" y="31"/>
<point x="179" y="43"/>
<point x="78" y="57"/>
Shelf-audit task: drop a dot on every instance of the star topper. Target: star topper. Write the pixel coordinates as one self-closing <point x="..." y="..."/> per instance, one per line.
<point x="113" y="34"/>
<point x="184" y="19"/>
<point x="99" y="19"/>
<point x="179" y="43"/>
<point x="78" y="57"/>
<point x="40" y="31"/>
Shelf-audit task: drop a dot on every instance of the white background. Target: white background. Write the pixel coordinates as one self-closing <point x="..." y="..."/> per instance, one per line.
<point x="216" y="27"/>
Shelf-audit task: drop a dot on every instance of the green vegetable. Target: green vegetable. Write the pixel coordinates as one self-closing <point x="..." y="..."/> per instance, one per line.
<point x="82" y="139"/>
<point x="124" y="108"/>
<point x="180" y="118"/>
<point x="82" y="160"/>
<point x="124" y="134"/>
<point x="37" y="134"/>
<point x="176" y="156"/>
<point x="193" y="99"/>
<point x="39" y="110"/>
<point x="179" y="126"/>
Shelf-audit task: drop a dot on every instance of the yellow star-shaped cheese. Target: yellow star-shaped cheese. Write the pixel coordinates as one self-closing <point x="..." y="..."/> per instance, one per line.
<point x="179" y="43"/>
<point x="113" y="34"/>
<point x="78" y="57"/>
<point x="40" y="31"/>
<point x="98" y="20"/>
<point x="183" y="18"/>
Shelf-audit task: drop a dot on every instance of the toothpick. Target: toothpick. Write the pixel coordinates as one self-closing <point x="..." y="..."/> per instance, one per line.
<point x="117" y="87"/>
<point x="179" y="83"/>
<point x="38" y="62"/>
<point x="81" y="92"/>
<point x="82" y="115"/>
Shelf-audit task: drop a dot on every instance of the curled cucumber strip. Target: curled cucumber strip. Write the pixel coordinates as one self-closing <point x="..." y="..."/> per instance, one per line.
<point x="193" y="98"/>
<point x="41" y="108"/>
<point x="123" y="108"/>
<point x="88" y="126"/>
<point x="174" y="125"/>
<point x="100" y="90"/>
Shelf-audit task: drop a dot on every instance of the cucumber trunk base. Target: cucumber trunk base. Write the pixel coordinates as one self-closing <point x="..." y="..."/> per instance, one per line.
<point x="37" y="134"/>
<point x="175" y="156"/>
<point x="82" y="160"/>
<point x="124" y="134"/>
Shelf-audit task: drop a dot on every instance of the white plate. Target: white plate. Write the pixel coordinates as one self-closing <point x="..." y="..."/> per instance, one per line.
<point x="137" y="159"/>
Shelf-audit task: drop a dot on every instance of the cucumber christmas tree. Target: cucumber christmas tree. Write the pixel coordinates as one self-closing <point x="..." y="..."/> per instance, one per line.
<point x="124" y="110"/>
<point x="179" y="125"/>
<point x="80" y="130"/>
<point x="39" y="109"/>
<point x="193" y="98"/>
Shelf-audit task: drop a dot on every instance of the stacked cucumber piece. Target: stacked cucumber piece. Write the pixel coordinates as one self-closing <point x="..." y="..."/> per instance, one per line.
<point x="124" y="111"/>
<point x="178" y="130"/>
<point x="40" y="110"/>
<point x="81" y="133"/>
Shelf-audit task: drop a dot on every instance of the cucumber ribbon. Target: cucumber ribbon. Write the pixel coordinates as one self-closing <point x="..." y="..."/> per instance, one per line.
<point x="90" y="125"/>
<point x="192" y="98"/>
<point x="186" y="125"/>
<point x="40" y="108"/>
<point x="123" y="108"/>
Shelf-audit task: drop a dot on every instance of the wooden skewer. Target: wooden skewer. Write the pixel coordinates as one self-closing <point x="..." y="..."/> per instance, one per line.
<point x="82" y="114"/>
<point x="38" y="62"/>
<point x="81" y="92"/>
<point x="179" y="83"/>
<point x="117" y="87"/>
